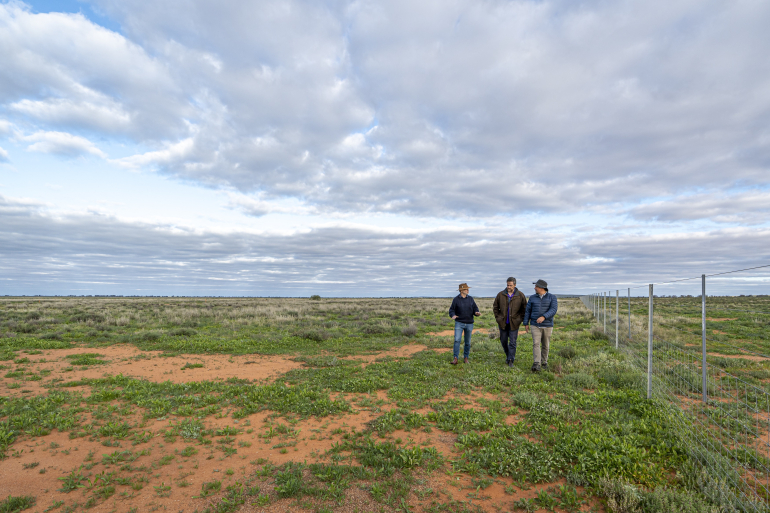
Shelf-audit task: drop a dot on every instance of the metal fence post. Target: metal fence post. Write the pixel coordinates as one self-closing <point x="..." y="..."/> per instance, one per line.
<point x="703" y="336"/>
<point x="649" y="347"/>
<point x="604" y="312"/>
<point x="617" y="317"/>
<point x="629" y="313"/>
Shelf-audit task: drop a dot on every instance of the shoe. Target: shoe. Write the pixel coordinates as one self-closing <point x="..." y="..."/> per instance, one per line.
<point x="510" y="363"/>
<point x="465" y="360"/>
<point x="454" y="362"/>
<point x="544" y="366"/>
<point x="535" y="367"/>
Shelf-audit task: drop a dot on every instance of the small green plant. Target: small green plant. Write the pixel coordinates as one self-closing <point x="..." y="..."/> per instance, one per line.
<point x="189" y="365"/>
<point x="14" y="504"/>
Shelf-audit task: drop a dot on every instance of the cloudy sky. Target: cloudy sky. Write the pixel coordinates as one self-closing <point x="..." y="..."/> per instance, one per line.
<point x="367" y="148"/>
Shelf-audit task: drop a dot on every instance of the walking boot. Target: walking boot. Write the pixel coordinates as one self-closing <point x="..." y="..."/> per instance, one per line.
<point x="535" y="367"/>
<point x="510" y="363"/>
<point x="465" y="360"/>
<point x="544" y="366"/>
<point x="454" y="362"/>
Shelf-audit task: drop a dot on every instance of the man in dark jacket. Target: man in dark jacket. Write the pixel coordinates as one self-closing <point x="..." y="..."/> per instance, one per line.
<point x="463" y="310"/>
<point x="509" y="307"/>
<point x="541" y="309"/>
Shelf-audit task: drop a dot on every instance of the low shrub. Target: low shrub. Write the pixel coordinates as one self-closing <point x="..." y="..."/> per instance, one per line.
<point x="183" y="332"/>
<point x="409" y="331"/>
<point x="623" y="379"/>
<point x="15" y="504"/>
<point x="567" y="353"/>
<point x="314" y="334"/>
<point x="623" y="497"/>
<point x="581" y="380"/>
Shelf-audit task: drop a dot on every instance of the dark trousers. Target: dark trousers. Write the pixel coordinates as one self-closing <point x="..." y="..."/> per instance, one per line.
<point x="508" y="337"/>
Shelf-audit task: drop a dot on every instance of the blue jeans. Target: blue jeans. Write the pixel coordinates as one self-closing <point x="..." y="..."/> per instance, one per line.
<point x="461" y="327"/>
<point x="508" y="339"/>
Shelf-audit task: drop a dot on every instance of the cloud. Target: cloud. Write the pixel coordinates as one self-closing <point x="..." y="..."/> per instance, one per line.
<point x="462" y="108"/>
<point x="62" y="71"/>
<point x="746" y="207"/>
<point x="61" y="143"/>
<point x="146" y="258"/>
<point x="4" y="155"/>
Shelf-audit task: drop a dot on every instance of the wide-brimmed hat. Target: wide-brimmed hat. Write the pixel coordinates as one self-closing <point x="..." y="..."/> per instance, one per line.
<point x="463" y="286"/>
<point x="541" y="283"/>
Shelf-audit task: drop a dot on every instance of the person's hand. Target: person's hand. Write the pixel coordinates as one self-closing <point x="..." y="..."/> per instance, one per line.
<point x="477" y="313"/>
<point x="526" y="328"/>
<point x="540" y="319"/>
<point x="454" y="317"/>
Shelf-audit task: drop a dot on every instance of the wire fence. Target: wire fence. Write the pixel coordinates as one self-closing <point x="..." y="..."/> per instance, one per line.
<point x="714" y="381"/>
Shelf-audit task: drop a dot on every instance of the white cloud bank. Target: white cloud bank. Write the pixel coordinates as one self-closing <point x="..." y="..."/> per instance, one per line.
<point x="648" y="113"/>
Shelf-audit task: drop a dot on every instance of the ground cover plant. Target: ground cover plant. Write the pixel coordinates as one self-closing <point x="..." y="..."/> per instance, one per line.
<point x="327" y="405"/>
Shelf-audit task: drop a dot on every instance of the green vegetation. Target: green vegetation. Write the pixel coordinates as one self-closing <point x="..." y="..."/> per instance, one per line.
<point x="15" y="504"/>
<point x="586" y="420"/>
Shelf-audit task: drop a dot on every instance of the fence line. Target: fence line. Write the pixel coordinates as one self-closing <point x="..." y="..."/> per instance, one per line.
<point x="723" y="419"/>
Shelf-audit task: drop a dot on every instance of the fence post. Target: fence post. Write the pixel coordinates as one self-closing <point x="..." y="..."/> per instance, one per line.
<point x="703" y="336"/>
<point x="629" y="313"/>
<point x="617" y="316"/>
<point x="604" y="312"/>
<point x="649" y="347"/>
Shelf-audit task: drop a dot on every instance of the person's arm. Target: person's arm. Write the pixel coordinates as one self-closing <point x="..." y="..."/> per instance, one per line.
<point x="496" y="310"/>
<point x="522" y="304"/>
<point x="452" y="308"/>
<point x="551" y="312"/>
<point x="475" y="309"/>
<point x="527" y="314"/>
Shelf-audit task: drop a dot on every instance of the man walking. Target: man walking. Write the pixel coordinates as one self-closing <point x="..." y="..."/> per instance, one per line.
<point x="540" y="311"/>
<point x="509" y="308"/>
<point x="463" y="310"/>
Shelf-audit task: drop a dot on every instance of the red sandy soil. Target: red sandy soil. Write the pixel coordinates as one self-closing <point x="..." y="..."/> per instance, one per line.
<point x="721" y="318"/>
<point x="753" y="358"/>
<point x="57" y="455"/>
<point x="150" y="365"/>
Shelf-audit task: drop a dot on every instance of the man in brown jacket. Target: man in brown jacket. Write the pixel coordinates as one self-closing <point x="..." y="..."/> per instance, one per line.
<point x="509" y="307"/>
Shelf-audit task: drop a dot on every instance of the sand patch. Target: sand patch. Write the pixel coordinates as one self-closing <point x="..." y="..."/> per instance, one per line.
<point x="753" y="358"/>
<point x="150" y="365"/>
<point x="721" y="318"/>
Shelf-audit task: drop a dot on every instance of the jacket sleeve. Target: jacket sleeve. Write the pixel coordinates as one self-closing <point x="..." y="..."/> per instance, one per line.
<point x="452" y="308"/>
<point x="496" y="310"/>
<point x="475" y="308"/>
<point x="527" y="313"/>
<point x="523" y="303"/>
<point x="551" y="312"/>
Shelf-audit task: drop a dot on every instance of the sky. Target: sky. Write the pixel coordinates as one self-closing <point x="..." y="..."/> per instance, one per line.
<point x="382" y="148"/>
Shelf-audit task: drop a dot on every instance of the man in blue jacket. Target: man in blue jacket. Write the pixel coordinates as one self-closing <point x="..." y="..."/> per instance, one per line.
<point x="541" y="309"/>
<point x="463" y="310"/>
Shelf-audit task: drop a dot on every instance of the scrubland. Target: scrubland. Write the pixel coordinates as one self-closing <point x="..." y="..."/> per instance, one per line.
<point x="193" y="404"/>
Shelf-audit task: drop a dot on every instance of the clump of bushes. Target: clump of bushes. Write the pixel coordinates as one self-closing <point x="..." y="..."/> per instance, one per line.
<point x="150" y="336"/>
<point x="624" y="497"/>
<point x="568" y="352"/>
<point x="623" y="379"/>
<point x="597" y="334"/>
<point x="183" y="332"/>
<point x="409" y="331"/>
<point x="314" y="334"/>
<point x="315" y="297"/>
<point x="581" y="380"/>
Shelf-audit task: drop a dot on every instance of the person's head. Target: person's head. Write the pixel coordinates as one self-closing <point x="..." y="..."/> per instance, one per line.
<point x="463" y="289"/>
<point x="541" y="287"/>
<point x="511" y="285"/>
